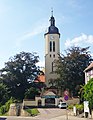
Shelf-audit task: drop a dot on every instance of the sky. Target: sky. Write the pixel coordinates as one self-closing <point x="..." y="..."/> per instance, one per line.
<point x="23" y="24"/>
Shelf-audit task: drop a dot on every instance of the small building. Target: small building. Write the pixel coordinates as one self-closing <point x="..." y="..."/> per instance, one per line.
<point x="88" y="73"/>
<point x="47" y="99"/>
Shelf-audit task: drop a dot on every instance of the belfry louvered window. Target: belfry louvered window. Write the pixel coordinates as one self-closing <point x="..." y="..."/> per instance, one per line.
<point x="53" y="46"/>
<point x="50" y="46"/>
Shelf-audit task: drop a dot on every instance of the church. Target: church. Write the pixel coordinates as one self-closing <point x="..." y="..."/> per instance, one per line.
<point x="52" y="50"/>
<point x="49" y="97"/>
<point x="52" y="53"/>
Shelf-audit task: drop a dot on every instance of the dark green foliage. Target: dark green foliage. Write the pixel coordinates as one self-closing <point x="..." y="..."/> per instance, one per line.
<point x="31" y="93"/>
<point x="19" y="73"/>
<point x="70" y="68"/>
<point x="5" y="108"/>
<point x="88" y="92"/>
<point x="4" y="93"/>
<point x="7" y="104"/>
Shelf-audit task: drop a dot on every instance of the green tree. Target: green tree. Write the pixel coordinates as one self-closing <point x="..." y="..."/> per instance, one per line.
<point x="31" y="93"/>
<point x="88" y="92"/>
<point x="19" y="73"/>
<point x="4" y="91"/>
<point x="70" y="68"/>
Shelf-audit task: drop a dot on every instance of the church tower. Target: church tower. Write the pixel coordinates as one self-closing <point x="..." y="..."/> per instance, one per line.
<point x="52" y="50"/>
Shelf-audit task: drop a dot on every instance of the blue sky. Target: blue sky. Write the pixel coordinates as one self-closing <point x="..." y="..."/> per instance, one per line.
<point x="24" y="22"/>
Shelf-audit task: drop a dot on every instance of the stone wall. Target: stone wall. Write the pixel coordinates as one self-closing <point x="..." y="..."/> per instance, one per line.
<point x="29" y="103"/>
<point x="15" y="109"/>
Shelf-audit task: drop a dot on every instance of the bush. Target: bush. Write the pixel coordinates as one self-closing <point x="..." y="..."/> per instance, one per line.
<point x="70" y="107"/>
<point x="79" y="108"/>
<point x="29" y="111"/>
<point x="5" y="108"/>
<point x="7" y="104"/>
<point x="32" y="112"/>
<point x="2" y="110"/>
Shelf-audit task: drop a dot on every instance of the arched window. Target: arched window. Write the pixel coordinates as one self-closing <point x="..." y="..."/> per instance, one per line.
<point x="50" y="46"/>
<point x="53" y="46"/>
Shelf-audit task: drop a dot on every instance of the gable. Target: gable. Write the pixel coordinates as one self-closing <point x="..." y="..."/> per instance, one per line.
<point x="89" y="68"/>
<point x="50" y="93"/>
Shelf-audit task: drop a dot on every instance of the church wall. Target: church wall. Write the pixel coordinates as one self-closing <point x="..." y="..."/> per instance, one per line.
<point x="29" y="103"/>
<point x="46" y="44"/>
<point x="50" y="57"/>
<point x="88" y="75"/>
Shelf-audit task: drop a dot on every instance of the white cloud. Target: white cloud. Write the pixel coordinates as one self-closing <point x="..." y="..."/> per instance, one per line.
<point x="38" y="28"/>
<point x="83" y="39"/>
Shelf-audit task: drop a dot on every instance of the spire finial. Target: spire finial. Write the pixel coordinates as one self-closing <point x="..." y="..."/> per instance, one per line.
<point x="52" y="19"/>
<point x="52" y="11"/>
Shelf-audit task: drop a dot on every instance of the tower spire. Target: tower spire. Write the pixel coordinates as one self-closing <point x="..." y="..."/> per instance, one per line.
<point x="51" y="11"/>
<point x="52" y="19"/>
<point x="52" y="29"/>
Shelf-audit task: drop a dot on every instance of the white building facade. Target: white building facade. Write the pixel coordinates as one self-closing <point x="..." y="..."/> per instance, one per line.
<point x="88" y="73"/>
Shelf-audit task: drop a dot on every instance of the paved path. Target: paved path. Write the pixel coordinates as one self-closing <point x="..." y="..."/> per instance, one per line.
<point x="69" y="118"/>
<point x="56" y="118"/>
<point x="48" y="114"/>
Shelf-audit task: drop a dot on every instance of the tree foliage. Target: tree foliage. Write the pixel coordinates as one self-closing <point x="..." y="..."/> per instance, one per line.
<point x="88" y="92"/>
<point x="4" y="93"/>
<point x="31" y="93"/>
<point x="19" y="72"/>
<point x="70" y="68"/>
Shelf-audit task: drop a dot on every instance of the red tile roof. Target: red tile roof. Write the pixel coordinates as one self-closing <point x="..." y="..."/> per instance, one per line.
<point x="89" y="67"/>
<point x="40" y="78"/>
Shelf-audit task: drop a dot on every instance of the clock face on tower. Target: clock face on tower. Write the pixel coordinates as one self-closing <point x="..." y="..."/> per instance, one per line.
<point x="52" y="37"/>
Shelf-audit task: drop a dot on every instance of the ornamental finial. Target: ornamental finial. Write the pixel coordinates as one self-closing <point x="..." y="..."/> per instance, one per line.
<point x="51" y="11"/>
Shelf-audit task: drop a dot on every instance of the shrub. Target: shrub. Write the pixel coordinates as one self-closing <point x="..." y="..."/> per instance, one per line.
<point x="35" y="112"/>
<point x="32" y="112"/>
<point x="5" y="108"/>
<point x="2" y="110"/>
<point x="79" y="108"/>
<point x="7" y="104"/>
<point x="70" y="107"/>
<point x="29" y="111"/>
